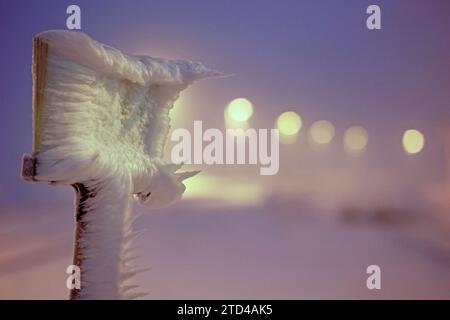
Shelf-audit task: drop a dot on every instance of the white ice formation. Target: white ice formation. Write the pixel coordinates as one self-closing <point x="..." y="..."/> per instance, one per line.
<point x="102" y="124"/>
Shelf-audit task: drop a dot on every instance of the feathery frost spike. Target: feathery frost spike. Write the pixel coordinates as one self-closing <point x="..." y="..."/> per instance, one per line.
<point x="137" y="295"/>
<point x="101" y="118"/>
<point x="128" y="288"/>
<point x="185" y="175"/>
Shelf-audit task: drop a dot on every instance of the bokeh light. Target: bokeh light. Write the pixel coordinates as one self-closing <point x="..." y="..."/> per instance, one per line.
<point x="413" y="141"/>
<point x="355" y="139"/>
<point x="322" y="132"/>
<point x="289" y="123"/>
<point x="223" y="191"/>
<point x="239" y="110"/>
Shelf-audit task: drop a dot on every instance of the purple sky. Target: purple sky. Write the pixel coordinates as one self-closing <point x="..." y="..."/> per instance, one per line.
<point x="314" y="57"/>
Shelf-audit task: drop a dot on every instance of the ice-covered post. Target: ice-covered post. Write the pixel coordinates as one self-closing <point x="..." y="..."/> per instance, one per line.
<point x="100" y="123"/>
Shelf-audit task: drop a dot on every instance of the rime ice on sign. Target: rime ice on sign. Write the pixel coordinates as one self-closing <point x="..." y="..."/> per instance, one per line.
<point x="100" y="123"/>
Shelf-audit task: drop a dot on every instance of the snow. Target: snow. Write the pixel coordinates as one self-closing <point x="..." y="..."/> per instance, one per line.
<point x="107" y="113"/>
<point x="200" y="252"/>
<point x="104" y="122"/>
<point x="145" y="71"/>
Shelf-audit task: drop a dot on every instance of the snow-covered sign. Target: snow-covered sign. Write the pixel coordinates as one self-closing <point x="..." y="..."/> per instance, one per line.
<point x="100" y="123"/>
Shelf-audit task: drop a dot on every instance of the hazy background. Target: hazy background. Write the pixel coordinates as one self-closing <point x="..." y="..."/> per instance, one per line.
<point x="311" y="230"/>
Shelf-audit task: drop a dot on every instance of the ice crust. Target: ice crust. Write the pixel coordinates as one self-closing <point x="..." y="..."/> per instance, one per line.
<point x="105" y="118"/>
<point x="105" y="112"/>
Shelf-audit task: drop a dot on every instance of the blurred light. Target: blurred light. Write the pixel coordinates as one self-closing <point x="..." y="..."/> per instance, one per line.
<point x="239" y="110"/>
<point x="178" y="112"/>
<point x="289" y="123"/>
<point x="413" y="141"/>
<point x="322" y="132"/>
<point x="223" y="191"/>
<point x="355" y="139"/>
<point x="230" y="124"/>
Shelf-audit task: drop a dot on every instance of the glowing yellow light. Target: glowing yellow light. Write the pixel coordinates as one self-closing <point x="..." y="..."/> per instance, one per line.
<point x="230" y="124"/>
<point x="413" y="141"/>
<point x="289" y="123"/>
<point x="178" y="112"/>
<point x="223" y="191"/>
<point x="355" y="139"/>
<point x="239" y="110"/>
<point x="322" y="132"/>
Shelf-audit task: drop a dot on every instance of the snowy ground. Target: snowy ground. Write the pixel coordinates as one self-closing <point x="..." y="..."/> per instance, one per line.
<point x="255" y="253"/>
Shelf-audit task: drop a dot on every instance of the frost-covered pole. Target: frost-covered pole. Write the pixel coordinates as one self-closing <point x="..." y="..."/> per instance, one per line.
<point x="100" y="123"/>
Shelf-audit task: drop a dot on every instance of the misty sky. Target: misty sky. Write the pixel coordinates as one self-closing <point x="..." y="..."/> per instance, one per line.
<point x="313" y="57"/>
